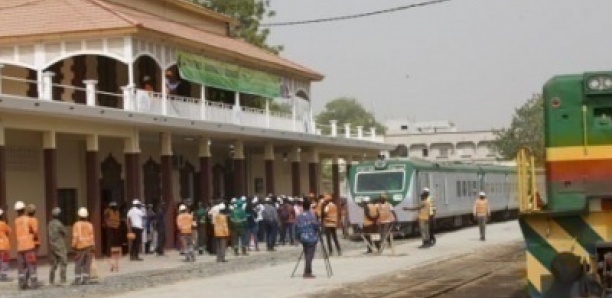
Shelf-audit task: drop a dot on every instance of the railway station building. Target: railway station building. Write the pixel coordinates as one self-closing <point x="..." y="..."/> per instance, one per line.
<point x="113" y="100"/>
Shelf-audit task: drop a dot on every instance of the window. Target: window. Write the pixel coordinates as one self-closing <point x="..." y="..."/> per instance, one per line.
<point x="404" y="127"/>
<point x="379" y="181"/>
<point x="458" y="189"/>
<point x="443" y="152"/>
<point x="464" y="190"/>
<point x="425" y="152"/>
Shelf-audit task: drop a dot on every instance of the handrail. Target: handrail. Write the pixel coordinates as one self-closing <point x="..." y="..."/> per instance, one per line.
<point x="528" y="195"/>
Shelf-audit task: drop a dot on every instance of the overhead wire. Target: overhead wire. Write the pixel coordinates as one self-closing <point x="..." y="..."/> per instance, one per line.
<point x="355" y="16"/>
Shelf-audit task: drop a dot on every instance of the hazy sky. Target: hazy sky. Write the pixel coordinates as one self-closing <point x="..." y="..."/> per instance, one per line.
<point x="468" y="61"/>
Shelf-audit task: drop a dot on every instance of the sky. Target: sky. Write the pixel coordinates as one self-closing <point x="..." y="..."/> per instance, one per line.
<point x="471" y="62"/>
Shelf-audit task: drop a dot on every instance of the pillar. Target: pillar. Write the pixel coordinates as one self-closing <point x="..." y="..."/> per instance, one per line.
<point x="349" y="164"/>
<point x="335" y="177"/>
<point x="313" y="172"/>
<point x="269" y="165"/>
<point x="334" y="127"/>
<point x="296" y="186"/>
<point x="166" y="186"/>
<point x="2" y="169"/>
<point x="239" y="173"/>
<point x="205" y="172"/>
<point x="94" y="204"/>
<point x="50" y="167"/>
<point x="132" y="167"/>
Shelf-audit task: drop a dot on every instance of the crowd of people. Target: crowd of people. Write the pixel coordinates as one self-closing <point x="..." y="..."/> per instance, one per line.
<point x="242" y="223"/>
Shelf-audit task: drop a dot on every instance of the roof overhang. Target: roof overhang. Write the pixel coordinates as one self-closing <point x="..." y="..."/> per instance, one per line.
<point x="202" y="11"/>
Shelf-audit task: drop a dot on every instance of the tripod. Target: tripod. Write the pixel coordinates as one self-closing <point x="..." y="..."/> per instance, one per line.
<point x="328" y="267"/>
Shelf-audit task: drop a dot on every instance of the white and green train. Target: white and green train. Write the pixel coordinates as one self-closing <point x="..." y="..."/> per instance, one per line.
<point x="453" y="186"/>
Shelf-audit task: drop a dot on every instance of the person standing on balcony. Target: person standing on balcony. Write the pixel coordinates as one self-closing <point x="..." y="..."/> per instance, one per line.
<point x="176" y="86"/>
<point x="147" y="84"/>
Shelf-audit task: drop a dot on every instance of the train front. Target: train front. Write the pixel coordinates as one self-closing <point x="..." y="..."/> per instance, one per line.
<point x="370" y="180"/>
<point x="568" y="239"/>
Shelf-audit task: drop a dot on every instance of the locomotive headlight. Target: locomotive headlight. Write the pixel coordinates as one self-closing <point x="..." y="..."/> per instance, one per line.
<point x="594" y="83"/>
<point x="599" y="83"/>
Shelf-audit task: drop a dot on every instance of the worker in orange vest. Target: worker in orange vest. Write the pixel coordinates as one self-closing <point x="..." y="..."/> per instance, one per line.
<point x="386" y="216"/>
<point x="5" y="247"/>
<point x="424" y="215"/>
<point x="31" y="211"/>
<point x="482" y="212"/>
<point x="112" y="221"/>
<point x="184" y="222"/>
<point x="329" y="215"/>
<point x="26" y="232"/>
<point x="83" y="242"/>
<point x="370" y="221"/>
<point x="218" y="213"/>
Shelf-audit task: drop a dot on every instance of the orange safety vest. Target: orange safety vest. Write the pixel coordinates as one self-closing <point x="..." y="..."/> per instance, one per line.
<point x="373" y="212"/>
<point x="34" y="221"/>
<point x="111" y="218"/>
<point x="331" y="215"/>
<point x="5" y="231"/>
<point x="184" y="221"/>
<point x="24" y="230"/>
<point x="481" y="207"/>
<point x="82" y="235"/>
<point x="384" y="211"/>
<point x="424" y="212"/>
<point x="220" y="223"/>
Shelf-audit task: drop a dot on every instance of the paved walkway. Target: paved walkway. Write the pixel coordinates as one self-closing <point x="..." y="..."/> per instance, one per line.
<point x="274" y="281"/>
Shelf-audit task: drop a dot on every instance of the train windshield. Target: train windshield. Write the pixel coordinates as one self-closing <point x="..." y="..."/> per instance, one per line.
<point x="380" y="181"/>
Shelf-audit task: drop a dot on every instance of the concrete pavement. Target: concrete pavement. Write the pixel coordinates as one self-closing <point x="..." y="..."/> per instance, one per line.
<point x="274" y="280"/>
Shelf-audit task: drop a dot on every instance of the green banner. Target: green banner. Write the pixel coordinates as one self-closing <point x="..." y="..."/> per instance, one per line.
<point x="227" y="76"/>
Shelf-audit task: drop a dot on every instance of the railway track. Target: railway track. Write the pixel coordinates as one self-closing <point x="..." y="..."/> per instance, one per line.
<point x="492" y="272"/>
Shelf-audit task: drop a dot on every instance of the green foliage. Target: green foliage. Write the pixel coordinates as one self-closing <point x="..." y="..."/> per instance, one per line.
<point x="348" y="110"/>
<point x="249" y="13"/>
<point x="526" y="130"/>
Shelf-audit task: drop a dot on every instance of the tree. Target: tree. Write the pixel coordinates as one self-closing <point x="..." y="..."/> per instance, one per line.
<point x="249" y="13"/>
<point x="348" y="110"/>
<point x="526" y="130"/>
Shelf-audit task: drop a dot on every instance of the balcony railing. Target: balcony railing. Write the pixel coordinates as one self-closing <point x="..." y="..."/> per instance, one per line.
<point x="155" y="103"/>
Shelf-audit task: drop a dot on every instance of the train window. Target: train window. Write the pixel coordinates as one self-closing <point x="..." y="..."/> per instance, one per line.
<point x="474" y="188"/>
<point x="464" y="188"/>
<point x="380" y="181"/>
<point x="458" y="188"/>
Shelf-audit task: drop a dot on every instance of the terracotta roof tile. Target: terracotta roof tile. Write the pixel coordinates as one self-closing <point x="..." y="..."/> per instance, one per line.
<point x="46" y="17"/>
<point x="36" y="17"/>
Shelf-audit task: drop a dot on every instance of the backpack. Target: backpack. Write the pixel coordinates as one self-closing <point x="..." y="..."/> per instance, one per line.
<point x="268" y="213"/>
<point x="285" y="213"/>
<point x="307" y="228"/>
<point x="238" y="214"/>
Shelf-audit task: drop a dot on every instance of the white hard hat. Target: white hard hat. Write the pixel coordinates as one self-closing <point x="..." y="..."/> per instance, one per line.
<point x="136" y="202"/>
<point x="255" y="200"/>
<point x="366" y="199"/>
<point x="83" y="212"/>
<point x="290" y="199"/>
<point x="234" y="200"/>
<point x="482" y="194"/>
<point x="19" y="205"/>
<point x="182" y="207"/>
<point x="426" y="189"/>
<point x="243" y="198"/>
<point x="268" y="199"/>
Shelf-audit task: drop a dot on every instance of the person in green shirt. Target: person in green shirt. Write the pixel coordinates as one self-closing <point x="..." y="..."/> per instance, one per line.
<point x="58" y="254"/>
<point x="200" y="219"/>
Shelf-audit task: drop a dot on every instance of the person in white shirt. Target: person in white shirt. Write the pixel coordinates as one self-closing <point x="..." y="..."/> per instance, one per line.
<point x="135" y="218"/>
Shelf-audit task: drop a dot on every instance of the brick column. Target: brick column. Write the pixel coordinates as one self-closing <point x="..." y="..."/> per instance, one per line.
<point x="313" y="172"/>
<point x="2" y="170"/>
<point x="50" y="169"/>
<point x="269" y="165"/>
<point x="132" y="167"/>
<point x="166" y="186"/>
<point x="92" y="176"/>
<point x="239" y="173"/>
<point x="205" y="172"/>
<point x="335" y="178"/>
<point x="296" y="185"/>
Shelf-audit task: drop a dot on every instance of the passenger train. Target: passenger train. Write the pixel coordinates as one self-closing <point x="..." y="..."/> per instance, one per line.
<point x="453" y="187"/>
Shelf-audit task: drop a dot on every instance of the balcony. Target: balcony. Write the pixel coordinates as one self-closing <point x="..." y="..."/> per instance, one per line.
<point x="189" y="108"/>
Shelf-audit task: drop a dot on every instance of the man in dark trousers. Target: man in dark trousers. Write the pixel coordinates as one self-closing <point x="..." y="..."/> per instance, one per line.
<point x="160" y="225"/>
<point x="329" y="217"/>
<point x="307" y="229"/>
<point x="270" y="223"/>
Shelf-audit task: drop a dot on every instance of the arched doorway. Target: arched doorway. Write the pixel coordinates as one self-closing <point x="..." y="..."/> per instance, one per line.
<point x="152" y="181"/>
<point x="111" y="190"/>
<point x="218" y="173"/>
